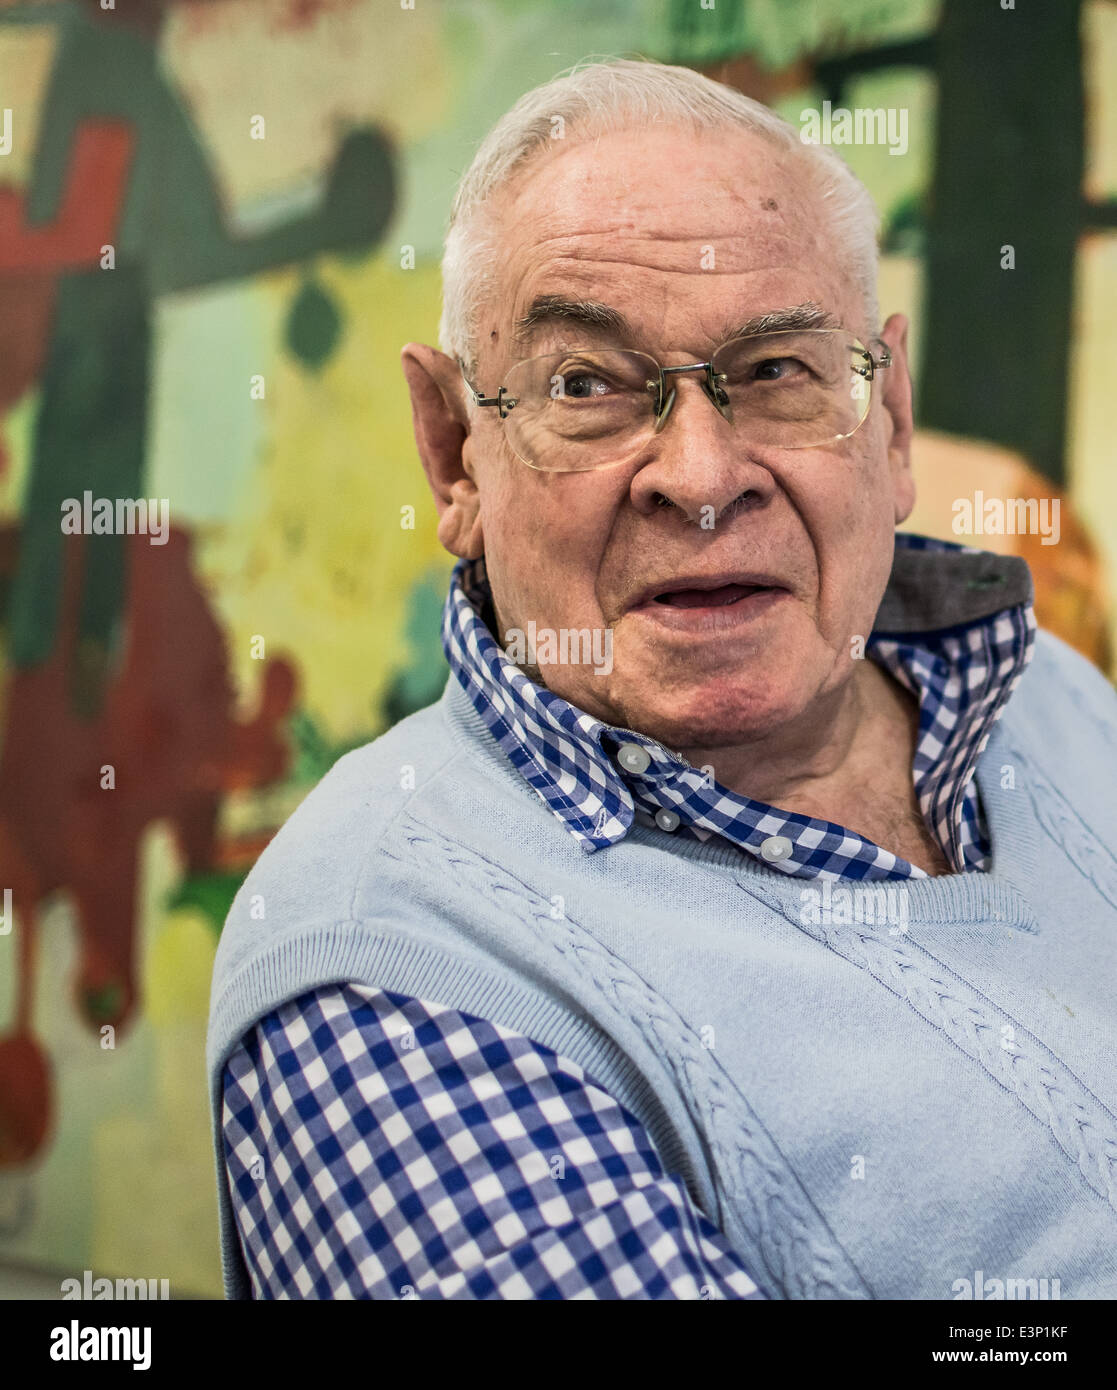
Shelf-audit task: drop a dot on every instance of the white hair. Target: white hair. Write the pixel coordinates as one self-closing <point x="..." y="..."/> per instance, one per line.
<point x="596" y="97"/>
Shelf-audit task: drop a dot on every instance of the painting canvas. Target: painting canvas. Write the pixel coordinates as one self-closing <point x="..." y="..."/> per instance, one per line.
<point x="219" y="222"/>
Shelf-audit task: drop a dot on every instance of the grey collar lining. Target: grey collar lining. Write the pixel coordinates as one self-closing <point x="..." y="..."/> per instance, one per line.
<point x="933" y="589"/>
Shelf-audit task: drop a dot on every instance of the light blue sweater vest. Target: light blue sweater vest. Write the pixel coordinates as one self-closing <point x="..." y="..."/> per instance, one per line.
<point x="865" y="1112"/>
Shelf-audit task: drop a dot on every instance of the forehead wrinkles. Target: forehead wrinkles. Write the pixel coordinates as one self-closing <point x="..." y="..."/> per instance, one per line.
<point x="691" y="174"/>
<point x="560" y="215"/>
<point x="589" y="220"/>
<point x="654" y="282"/>
<point x="577" y="256"/>
<point x="663" y="235"/>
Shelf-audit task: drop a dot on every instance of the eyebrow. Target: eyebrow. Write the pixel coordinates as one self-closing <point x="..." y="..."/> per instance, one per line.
<point x="547" y="309"/>
<point x="556" y="308"/>
<point x="801" y="316"/>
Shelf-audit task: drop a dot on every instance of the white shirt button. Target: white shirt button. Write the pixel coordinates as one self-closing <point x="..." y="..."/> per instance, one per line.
<point x="633" y="758"/>
<point x="667" y="820"/>
<point x="775" y="848"/>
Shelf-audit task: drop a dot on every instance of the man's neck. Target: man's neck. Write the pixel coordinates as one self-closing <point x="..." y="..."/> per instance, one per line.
<point x="858" y="774"/>
<point x="816" y="754"/>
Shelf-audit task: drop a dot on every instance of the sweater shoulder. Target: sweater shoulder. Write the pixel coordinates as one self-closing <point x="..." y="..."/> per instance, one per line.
<point x="1062" y="719"/>
<point x="309" y="874"/>
<point x="1063" y="685"/>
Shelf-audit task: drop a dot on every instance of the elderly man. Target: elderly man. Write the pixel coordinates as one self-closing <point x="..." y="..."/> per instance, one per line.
<point x="741" y="921"/>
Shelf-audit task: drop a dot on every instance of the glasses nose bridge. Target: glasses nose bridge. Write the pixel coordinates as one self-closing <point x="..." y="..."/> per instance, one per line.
<point x="685" y="367"/>
<point x="666" y="398"/>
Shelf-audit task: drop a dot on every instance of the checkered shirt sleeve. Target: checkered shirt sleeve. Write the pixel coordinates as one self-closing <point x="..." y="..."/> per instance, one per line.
<point x="378" y="1146"/>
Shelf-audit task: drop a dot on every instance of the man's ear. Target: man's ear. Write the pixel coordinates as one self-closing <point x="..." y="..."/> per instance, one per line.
<point x="896" y="399"/>
<point x="441" y="425"/>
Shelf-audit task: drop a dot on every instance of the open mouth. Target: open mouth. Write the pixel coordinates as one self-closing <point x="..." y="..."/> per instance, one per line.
<point x="696" y="604"/>
<point x="722" y="597"/>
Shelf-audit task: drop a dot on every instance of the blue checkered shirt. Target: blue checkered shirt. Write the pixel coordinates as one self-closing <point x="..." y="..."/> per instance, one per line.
<point x="379" y="1146"/>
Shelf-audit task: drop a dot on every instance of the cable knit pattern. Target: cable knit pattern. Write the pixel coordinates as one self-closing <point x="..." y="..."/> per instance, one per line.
<point x="1067" y="828"/>
<point x="885" y="1112"/>
<point x="1084" y="1128"/>
<point x="763" y="1197"/>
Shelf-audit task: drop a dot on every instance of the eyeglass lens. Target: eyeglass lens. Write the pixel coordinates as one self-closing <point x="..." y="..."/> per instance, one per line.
<point x="584" y="409"/>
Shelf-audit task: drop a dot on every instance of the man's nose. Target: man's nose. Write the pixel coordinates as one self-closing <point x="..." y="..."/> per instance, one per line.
<point x="699" y="463"/>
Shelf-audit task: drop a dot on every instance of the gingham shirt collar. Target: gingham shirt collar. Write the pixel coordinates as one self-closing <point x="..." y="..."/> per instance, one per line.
<point x="957" y="632"/>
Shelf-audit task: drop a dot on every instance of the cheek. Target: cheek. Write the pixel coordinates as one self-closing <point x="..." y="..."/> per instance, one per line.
<point x="514" y="512"/>
<point x="850" y="494"/>
<point x="845" y="503"/>
<point x="829" y="491"/>
<point x="545" y="538"/>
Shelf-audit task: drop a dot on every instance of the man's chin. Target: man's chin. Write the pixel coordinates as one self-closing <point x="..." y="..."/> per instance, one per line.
<point x="717" y="714"/>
